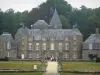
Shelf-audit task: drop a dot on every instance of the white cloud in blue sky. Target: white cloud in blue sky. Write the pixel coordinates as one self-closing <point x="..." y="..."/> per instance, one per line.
<point x="21" y="5"/>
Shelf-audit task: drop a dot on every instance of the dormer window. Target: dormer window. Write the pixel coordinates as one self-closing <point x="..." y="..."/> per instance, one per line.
<point x="30" y="39"/>
<point x="23" y="38"/>
<point x="66" y="39"/>
<point x="55" y="26"/>
<point x="74" y="37"/>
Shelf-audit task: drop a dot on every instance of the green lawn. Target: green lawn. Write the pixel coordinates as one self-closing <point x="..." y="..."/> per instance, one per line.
<point x="20" y="64"/>
<point x="37" y="73"/>
<point x="81" y="66"/>
<point x="76" y="74"/>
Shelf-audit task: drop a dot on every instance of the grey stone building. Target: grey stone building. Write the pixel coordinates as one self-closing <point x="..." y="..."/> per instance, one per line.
<point x="43" y="40"/>
<point x="91" y="46"/>
<point x="49" y="40"/>
<point x="7" y="46"/>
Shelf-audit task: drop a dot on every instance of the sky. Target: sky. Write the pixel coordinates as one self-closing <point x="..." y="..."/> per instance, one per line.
<point x="21" y="5"/>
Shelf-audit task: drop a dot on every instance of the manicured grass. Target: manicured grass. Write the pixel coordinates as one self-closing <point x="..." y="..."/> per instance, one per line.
<point x="81" y="66"/>
<point x="20" y="64"/>
<point x="76" y="74"/>
<point x="36" y="73"/>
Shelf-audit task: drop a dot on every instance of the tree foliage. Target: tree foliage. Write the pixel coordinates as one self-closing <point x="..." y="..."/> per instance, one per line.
<point x="87" y="18"/>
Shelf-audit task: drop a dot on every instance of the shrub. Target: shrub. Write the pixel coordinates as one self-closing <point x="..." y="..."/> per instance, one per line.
<point x="98" y="59"/>
<point x="3" y="58"/>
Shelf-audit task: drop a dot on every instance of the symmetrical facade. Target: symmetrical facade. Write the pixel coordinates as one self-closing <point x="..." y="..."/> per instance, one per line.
<point x="48" y="41"/>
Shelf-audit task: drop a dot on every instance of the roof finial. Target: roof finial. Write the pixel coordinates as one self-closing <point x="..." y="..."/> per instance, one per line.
<point x="21" y="23"/>
<point x="55" y="4"/>
<point x="31" y="26"/>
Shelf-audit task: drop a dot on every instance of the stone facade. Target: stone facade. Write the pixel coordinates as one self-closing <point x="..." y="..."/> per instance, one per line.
<point x="7" y="46"/>
<point x="47" y="40"/>
<point x="91" y="46"/>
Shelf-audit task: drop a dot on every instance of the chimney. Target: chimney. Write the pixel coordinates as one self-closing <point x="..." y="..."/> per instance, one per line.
<point x="97" y="31"/>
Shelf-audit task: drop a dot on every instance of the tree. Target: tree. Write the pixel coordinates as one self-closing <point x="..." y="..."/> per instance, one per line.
<point x="1" y="21"/>
<point x="65" y="22"/>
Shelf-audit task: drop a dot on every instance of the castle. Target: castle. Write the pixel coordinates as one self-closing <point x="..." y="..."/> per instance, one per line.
<point x="48" y="41"/>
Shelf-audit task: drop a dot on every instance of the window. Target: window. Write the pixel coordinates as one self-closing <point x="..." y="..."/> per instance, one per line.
<point x="30" y="39"/>
<point x="37" y="46"/>
<point x="66" y="46"/>
<point x="66" y="39"/>
<point x="22" y="56"/>
<point x="74" y="43"/>
<point x="90" y="47"/>
<point x="43" y="39"/>
<point x="66" y="55"/>
<point x="74" y="55"/>
<point x="30" y="46"/>
<point x="52" y="46"/>
<point x="23" y="48"/>
<point x="22" y="42"/>
<point x="23" y="38"/>
<point x="74" y="46"/>
<point x="8" y="45"/>
<point x="60" y="46"/>
<point x="74" y="37"/>
<point x="44" y="46"/>
<point x="8" y="54"/>
<point x="30" y="55"/>
<point x="37" y="55"/>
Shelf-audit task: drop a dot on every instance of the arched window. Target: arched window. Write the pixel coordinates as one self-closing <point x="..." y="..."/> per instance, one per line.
<point x="52" y="46"/>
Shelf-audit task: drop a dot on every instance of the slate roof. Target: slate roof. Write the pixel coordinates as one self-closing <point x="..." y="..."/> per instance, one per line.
<point x="7" y="37"/>
<point x="40" y="24"/>
<point x="24" y="31"/>
<point x="57" y="34"/>
<point x="41" y="30"/>
<point x="94" y="38"/>
<point x="55" y="21"/>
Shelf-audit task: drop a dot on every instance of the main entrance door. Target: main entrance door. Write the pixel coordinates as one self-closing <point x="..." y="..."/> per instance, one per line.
<point x="51" y="56"/>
